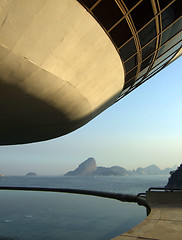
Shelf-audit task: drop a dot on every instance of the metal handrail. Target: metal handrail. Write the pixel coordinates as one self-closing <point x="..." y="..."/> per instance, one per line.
<point x="143" y="195"/>
<point x="164" y="189"/>
<point x="116" y="196"/>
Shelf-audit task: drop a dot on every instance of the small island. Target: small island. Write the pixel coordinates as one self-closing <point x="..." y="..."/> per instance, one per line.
<point x="31" y="174"/>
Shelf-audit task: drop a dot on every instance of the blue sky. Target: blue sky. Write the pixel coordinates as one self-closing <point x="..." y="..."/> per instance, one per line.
<point x="143" y="128"/>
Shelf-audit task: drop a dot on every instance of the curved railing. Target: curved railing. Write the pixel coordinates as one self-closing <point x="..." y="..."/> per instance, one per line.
<point x="117" y="196"/>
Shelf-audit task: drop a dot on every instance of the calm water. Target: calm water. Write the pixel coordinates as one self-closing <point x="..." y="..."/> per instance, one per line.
<point x="53" y="216"/>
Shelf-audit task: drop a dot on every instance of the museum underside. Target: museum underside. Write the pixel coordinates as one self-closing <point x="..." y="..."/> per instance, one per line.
<point x="64" y="62"/>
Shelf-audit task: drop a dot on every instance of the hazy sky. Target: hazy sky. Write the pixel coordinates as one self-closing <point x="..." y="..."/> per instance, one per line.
<point x="143" y="128"/>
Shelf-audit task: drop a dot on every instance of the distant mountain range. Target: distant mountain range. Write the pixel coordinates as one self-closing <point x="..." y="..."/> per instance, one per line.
<point x="89" y="168"/>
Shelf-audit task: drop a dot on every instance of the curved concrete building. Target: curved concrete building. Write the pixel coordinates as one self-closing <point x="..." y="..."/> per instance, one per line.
<point x="64" y="62"/>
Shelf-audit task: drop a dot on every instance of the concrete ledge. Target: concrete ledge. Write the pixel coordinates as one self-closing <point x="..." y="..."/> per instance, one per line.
<point x="163" y="223"/>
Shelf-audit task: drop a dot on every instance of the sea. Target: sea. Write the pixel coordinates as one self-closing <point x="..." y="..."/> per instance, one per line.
<point x="26" y="215"/>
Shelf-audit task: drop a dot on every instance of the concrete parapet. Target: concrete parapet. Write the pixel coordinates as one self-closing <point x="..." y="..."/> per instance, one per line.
<point x="163" y="223"/>
<point x="155" y="197"/>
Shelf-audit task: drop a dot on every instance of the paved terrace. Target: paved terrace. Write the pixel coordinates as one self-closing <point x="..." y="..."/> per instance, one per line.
<point x="164" y="221"/>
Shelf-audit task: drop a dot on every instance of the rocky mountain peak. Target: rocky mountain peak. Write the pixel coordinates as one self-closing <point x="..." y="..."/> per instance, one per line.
<point x="85" y="168"/>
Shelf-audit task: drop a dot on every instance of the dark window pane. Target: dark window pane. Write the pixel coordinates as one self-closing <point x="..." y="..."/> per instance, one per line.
<point x="88" y="3"/>
<point x="130" y="3"/>
<point x="130" y="74"/>
<point x="142" y="73"/>
<point x="171" y="31"/>
<point x="165" y="55"/>
<point x="149" y="49"/>
<point x="137" y="83"/>
<point x="170" y="43"/>
<point x="157" y="67"/>
<point x="154" y="71"/>
<point x="121" y="33"/>
<point x="147" y="34"/>
<point x="129" y="83"/>
<point x="108" y="13"/>
<point x="164" y="3"/>
<point x="146" y="63"/>
<point x="142" y="14"/>
<point x="127" y="50"/>
<point x="171" y="14"/>
<point x="131" y="63"/>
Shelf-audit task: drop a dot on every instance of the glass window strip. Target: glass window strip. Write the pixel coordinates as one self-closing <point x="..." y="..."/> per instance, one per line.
<point x="129" y="76"/>
<point x="153" y="66"/>
<point x="131" y="64"/>
<point x="158" y="24"/>
<point x="174" y="36"/>
<point x="137" y="32"/>
<point x="145" y="73"/>
<point x="171" y="14"/>
<point x="142" y="73"/>
<point x="124" y="10"/>
<point x="142" y="62"/>
<point x="153" y="73"/>
<point x="130" y="39"/>
<point x="125" y="54"/>
<point x="139" y="18"/>
<point x="128" y="13"/>
<point x="108" y="13"/>
<point x="148" y="24"/>
<point x="133" y="30"/>
<point x="154" y="60"/>
<point x="137" y="42"/>
<point x="171" y="31"/>
<point x="138" y="83"/>
<point x="152" y="40"/>
<point x="171" y="51"/>
<point x="164" y="63"/>
<point x="164" y="3"/>
<point x="169" y="48"/>
<point x="129" y="5"/>
<point x="123" y="94"/>
<point x="141" y="81"/>
<point x="125" y="15"/>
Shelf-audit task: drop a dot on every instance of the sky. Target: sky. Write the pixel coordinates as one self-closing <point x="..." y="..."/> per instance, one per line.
<point x="143" y="128"/>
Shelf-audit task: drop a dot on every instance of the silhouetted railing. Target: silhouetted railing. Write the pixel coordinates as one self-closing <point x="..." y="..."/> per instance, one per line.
<point x="117" y="196"/>
<point x="163" y="189"/>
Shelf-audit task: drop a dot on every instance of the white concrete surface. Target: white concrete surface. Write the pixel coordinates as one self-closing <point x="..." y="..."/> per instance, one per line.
<point x="58" y="69"/>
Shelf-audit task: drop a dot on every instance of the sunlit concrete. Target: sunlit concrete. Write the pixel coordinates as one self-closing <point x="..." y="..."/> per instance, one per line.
<point x="163" y="223"/>
<point x="58" y="69"/>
